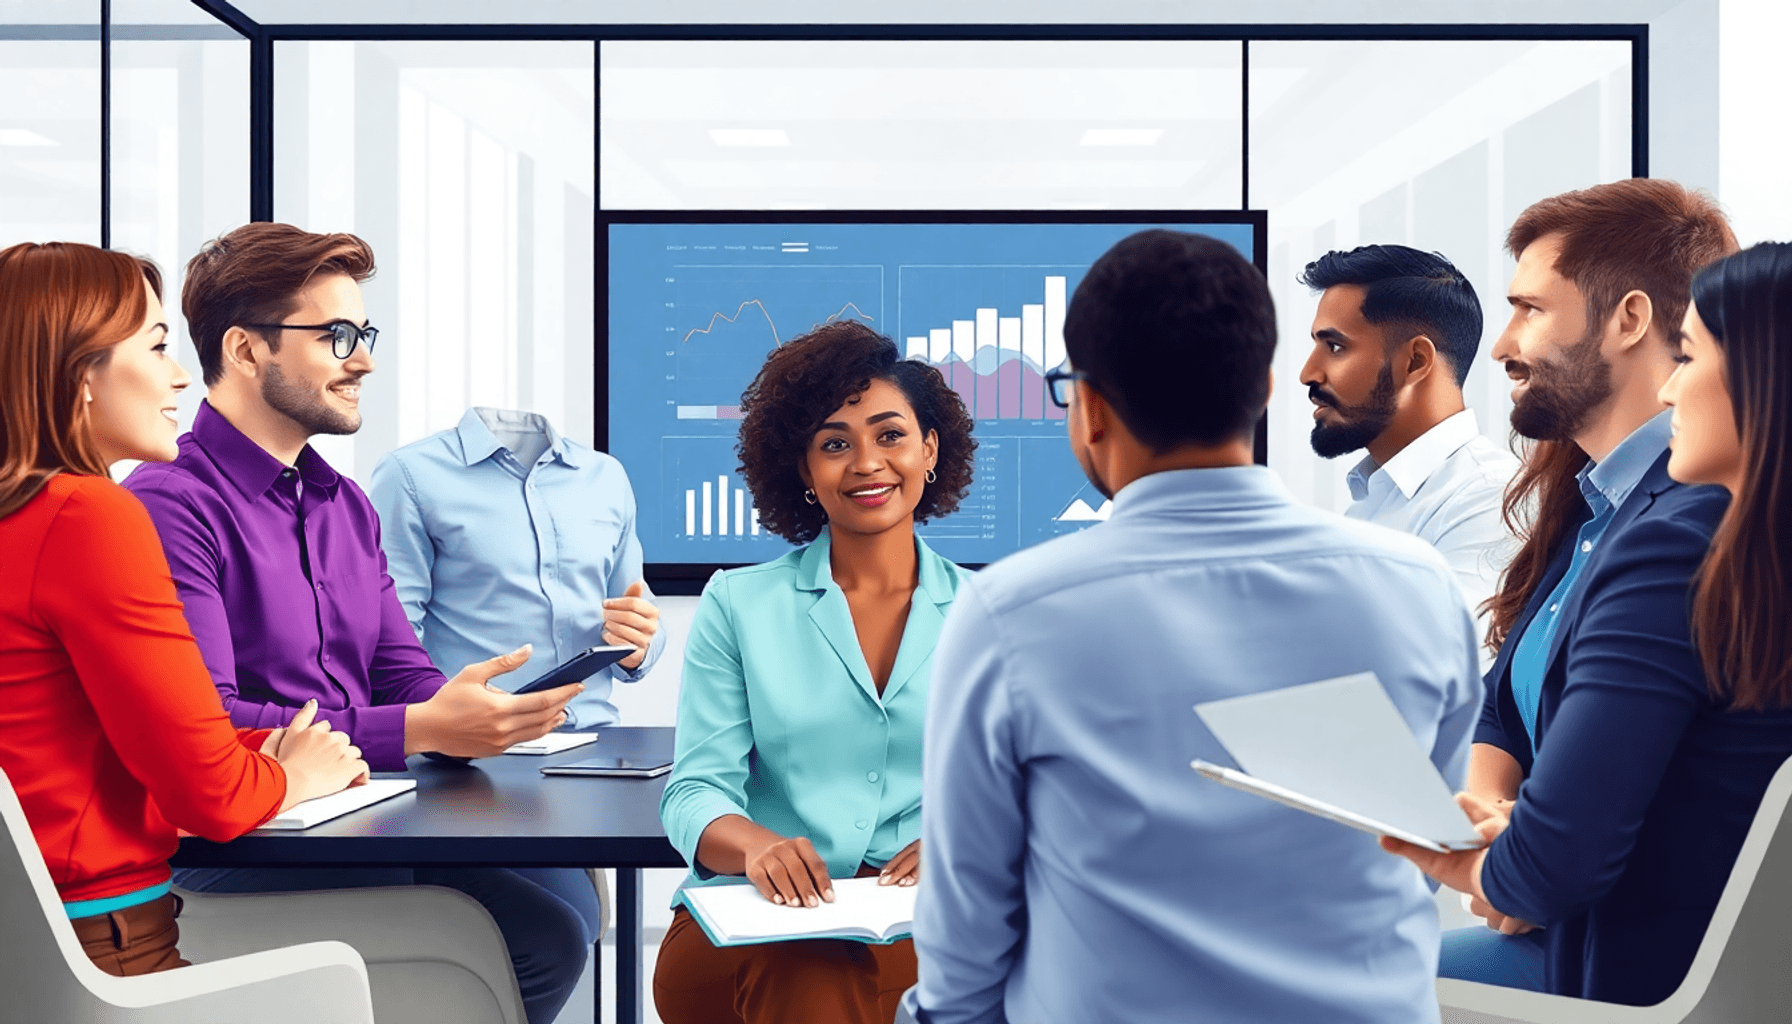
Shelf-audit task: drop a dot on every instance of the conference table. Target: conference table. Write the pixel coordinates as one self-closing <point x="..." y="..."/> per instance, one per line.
<point x="498" y="812"/>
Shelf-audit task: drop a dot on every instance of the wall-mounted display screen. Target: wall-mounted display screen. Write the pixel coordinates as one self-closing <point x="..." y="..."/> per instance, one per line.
<point x="695" y="305"/>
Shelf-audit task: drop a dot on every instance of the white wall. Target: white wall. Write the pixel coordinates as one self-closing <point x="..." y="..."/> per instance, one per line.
<point x="1754" y="141"/>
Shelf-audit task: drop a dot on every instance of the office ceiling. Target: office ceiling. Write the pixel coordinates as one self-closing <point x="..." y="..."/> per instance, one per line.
<point x="621" y="12"/>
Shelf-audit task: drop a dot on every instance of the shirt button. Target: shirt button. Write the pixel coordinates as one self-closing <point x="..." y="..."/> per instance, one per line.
<point x="1586" y="545"/>
<point x="870" y="776"/>
<point x="861" y="824"/>
<point x="1552" y="608"/>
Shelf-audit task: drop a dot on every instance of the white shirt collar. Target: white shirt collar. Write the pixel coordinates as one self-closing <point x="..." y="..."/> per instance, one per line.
<point x="1412" y="465"/>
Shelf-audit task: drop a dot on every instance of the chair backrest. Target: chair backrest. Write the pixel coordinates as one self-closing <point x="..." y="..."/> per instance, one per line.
<point x="43" y="963"/>
<point x="1741" y="970"/>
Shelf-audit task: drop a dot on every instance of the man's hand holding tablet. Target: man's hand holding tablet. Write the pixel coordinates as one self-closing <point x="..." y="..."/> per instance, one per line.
<point x="469" y="718"/>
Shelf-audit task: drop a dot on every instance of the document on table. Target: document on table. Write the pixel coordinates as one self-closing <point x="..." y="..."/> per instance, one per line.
<point x="1338" y="749"/>
<point x="862" y="911"/>
<point x="322" y="809"/>
<point x="552" y="743"/>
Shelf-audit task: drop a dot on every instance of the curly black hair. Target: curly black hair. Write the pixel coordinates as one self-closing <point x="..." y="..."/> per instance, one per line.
<point x="802" y="382"/>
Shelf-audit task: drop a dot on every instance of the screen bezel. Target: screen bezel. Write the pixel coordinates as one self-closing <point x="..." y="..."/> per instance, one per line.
<point x="688" y="578"/>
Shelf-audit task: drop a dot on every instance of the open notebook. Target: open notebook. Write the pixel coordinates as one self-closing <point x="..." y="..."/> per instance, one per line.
<point x="862" y="911"/>
<point x="322" y="809"/>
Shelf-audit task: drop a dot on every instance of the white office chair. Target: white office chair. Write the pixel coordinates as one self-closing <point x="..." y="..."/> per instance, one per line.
<point x="46" y="977"/>
<point x="1739" y="975"/>
<point x="433" y="955"/>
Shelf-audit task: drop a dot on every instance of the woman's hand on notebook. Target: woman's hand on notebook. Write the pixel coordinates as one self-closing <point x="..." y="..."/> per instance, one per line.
<point x="317" y="760"/>
<point x="904" y="868"/>
<point x="790" y="872"/>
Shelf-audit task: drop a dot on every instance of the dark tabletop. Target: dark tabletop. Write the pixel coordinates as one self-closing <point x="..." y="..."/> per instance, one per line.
<point x="496" y="811"/>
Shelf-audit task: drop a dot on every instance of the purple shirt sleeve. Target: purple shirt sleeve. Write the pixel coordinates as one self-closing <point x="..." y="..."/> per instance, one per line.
<point x="195" y="561"/>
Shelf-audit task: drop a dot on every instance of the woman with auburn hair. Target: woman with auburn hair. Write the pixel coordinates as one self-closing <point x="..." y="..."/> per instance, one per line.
<point x="113" y="734"/>
<point x="1732" y="399"/>
<point x="805" y="678"/>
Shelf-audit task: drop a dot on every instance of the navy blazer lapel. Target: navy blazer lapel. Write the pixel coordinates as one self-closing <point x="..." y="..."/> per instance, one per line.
<point x="1552" y="575"/>
<point x="1653" y="483"/>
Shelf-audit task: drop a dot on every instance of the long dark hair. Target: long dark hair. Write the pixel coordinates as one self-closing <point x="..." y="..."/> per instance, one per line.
<point x="1742" y="611"/>
<point x="1638" y="233"/>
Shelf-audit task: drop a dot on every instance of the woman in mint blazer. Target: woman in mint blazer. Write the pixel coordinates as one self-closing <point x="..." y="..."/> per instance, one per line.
<point x="805" y="678"/>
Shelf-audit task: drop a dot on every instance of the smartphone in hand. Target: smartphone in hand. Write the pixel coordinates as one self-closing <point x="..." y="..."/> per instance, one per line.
<point x="578" y="668"/>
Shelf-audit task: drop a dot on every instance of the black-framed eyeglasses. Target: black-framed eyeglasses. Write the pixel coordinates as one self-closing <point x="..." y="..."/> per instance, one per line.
<point x="1057" y="384"/>
<point x="344" y="336"/>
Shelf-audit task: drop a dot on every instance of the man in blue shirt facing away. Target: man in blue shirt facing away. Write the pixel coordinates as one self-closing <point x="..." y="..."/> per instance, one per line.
<point x="1074" y="867"/>
<point x="503" y="531"/>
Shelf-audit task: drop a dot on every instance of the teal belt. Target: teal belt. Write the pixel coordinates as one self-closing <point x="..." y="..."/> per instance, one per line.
<point x="94" y="908"/>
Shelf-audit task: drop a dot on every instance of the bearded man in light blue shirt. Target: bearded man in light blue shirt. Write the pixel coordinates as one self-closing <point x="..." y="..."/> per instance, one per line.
<point x="503" y="532"/>
<point x="1073" y="867"/>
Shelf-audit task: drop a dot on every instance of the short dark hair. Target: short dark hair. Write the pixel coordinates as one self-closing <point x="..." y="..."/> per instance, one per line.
<point x="1411" y="291"/>
<point x="253" y="275"/>
<point x="1177" y="331"/>
<point x="808" y="377"/>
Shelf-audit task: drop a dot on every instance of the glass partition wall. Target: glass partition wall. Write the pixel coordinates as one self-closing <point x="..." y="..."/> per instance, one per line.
<point x="476" y="166"/>
<point x="1436" y="144"/>
<point x="469" y="168"/>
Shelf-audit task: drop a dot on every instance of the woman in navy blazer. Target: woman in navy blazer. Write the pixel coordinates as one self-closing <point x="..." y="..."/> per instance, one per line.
<point x="805" y="678"/>
<point x="1663" y="728"/>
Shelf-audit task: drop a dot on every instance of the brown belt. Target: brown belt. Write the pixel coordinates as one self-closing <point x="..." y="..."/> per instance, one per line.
<point x="136" y="940"/>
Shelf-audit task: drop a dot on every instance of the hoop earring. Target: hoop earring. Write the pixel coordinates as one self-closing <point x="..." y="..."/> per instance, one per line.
<point x="809" y="496"/>
<point x="930" y="477"/>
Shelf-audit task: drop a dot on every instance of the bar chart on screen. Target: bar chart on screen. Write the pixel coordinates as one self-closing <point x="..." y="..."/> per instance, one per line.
<point x="993" y="332"/>
<point x="705" y="499"/>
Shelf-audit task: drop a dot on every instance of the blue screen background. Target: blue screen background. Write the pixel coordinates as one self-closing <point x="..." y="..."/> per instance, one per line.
<point x="695" y="308"/>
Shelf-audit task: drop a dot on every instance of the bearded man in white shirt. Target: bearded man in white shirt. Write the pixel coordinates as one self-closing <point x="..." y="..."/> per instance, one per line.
<point x="1395" y="334"/>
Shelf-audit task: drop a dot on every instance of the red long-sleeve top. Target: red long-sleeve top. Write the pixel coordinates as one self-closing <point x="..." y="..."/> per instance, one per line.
<point x="110" y="729"/>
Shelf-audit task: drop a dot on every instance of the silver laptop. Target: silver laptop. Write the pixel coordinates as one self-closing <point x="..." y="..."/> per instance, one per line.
<point x="1338" y="749"/>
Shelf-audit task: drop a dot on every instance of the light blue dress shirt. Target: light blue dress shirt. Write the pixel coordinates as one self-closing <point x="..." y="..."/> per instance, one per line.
<point x="1604" y="485"/>
<point x="780" y="721"/>
<point x="502" y="532"/>
<point x="1074" y="868"/>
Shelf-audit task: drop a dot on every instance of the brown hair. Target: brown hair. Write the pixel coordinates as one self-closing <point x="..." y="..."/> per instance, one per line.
<point x="806" y="379"/>
<point x="1638" y="234"/>
<point x="63" y="305"/>
<point x="1742" y="608"/>
<point x="253" y="275"/>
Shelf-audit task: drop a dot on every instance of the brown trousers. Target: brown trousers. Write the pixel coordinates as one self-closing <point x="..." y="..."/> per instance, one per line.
<point x="817" y="981"/>
<point x="135" y="940"/>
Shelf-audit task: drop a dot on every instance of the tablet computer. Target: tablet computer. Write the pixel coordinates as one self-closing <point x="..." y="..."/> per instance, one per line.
<point x="578" y="668"/>
<point x="1338" y="749"/>
<point x="613" y="767"/>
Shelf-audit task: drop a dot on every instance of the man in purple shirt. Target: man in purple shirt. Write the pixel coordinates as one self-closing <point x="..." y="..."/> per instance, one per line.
<point x="278" y="563"/>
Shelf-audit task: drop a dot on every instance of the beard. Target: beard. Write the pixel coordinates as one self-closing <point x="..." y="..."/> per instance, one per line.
<point x="303" y="406"/>
<point x="1362" y="423"/>
<point x="1563" y="393"/>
